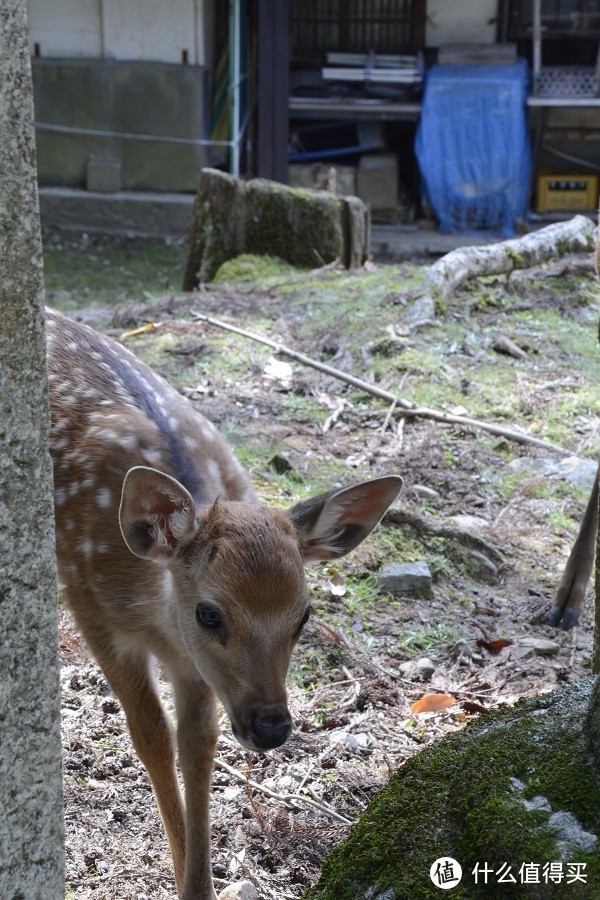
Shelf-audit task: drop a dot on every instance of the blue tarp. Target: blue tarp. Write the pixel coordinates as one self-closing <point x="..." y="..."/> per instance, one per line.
<point x="472" y="146"/>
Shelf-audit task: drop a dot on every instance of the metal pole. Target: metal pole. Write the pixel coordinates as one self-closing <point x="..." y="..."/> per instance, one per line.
<point x="537" y="40"/>
<point x="234" y="85"/>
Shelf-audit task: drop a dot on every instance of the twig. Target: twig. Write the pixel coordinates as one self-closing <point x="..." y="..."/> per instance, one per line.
<point x="289" y="800"/>
<point x="404" y="407"/>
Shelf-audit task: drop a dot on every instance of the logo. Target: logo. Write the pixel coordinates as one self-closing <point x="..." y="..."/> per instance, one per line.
<point x="445" y="873"/>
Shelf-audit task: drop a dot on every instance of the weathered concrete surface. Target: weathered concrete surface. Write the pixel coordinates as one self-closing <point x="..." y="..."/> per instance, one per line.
<point x="31" y="817"/>
<point x="136" y="213"/>
<point x="518" y="787"/>
<point x="109" y="98"/>
<point x="305" y="228"/>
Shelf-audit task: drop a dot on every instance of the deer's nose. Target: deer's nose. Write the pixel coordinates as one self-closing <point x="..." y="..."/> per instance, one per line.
<point x="270" y="727"/>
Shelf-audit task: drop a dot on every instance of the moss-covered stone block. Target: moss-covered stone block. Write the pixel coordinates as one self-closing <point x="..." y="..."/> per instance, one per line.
<point x="519" y="787"/>
<point x="303" y="227"/>
<point x="217" y="227"/>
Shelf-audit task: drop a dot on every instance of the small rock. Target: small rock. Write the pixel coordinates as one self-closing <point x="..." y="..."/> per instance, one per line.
<point x="424" y="492"/>
<point x="407" y="578"/>
<point x="473" y="524"/>
<point x="425" y="668"/>
<point x="481" y="567"/>
<point x="541" y="646"/>
<point x="418" y="669"/>
<point x="241" y="890"/>
<point x="344" y="737"/>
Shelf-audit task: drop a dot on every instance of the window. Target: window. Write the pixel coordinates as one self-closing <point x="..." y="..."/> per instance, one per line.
<point x="355" y="26"/>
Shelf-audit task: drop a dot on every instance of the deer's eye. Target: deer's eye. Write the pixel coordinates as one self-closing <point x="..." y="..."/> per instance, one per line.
<point x="208" y="617"/>
<point x="304" y="620"/>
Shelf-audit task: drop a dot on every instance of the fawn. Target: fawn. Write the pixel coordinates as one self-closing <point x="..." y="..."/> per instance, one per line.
<point x="165" y="552"/>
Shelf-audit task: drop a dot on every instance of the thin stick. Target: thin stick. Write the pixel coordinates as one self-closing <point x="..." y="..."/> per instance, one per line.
<point x="404" y="407"/>
<point x="290" y="800"/>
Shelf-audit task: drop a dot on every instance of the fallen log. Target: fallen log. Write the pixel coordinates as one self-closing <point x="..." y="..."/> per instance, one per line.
<point x="577" y="235"/>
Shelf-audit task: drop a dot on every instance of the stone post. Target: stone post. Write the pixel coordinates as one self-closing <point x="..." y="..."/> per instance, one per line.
<point x="31" y="800"/>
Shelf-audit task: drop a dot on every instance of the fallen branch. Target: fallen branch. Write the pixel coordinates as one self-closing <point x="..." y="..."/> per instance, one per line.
<point x="456" y="267"/>
<point x="403" y="407"/>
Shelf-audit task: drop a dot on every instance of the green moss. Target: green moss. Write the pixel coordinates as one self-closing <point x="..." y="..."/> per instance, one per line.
<point x="464" y="798"/>
<point x="304" y="227"/>
<point x="251" y="270"/>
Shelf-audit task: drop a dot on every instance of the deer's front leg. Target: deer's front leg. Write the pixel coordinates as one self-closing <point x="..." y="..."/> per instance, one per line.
<point x="197" y="733"/>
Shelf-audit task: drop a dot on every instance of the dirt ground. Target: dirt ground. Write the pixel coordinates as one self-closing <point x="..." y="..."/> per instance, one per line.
<point x="483" y="626"/>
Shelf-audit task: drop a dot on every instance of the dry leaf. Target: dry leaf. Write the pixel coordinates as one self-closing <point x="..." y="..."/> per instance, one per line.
<point x="494" y="646"/>
<point x="432" y="703"/>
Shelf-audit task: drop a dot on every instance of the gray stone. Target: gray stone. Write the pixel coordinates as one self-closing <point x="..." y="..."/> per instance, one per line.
<point x="418" y="669"/>
<point x="31" y="800"/>
<point x="541" y="646"/>
<point x="346" y="739"/>
<point x="577" y="471"/>
<point x="241" y="890"/>
<point x="480" y="567"/>
<point x="407" y="578"/>
<point x="424" y="492"/>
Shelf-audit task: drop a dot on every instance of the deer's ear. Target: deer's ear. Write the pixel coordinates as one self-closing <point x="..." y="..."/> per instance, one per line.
<point x="157" y="515"/>
<point x="332" y="524"/>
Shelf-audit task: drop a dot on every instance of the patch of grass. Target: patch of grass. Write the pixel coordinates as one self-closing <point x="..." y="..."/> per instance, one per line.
<point x="104" y="272"/>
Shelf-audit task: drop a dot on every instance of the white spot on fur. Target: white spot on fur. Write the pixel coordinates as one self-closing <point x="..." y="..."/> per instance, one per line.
<point x="89" y="481"/>
<point x="60" y="496"/>
<point x="190" y="443"/>
<point x="153" y="457"/>
<point x="213" y="470"/>
<point x="128" y="442"/>
<point x="73" y="488"/>
<point x="102" y="547"/>
<point x="104" y="498"/>
<point x="69" y="525"/>
<point x="73" y="346"/>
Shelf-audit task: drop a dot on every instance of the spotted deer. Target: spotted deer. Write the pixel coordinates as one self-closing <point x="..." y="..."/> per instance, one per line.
<point x="165" y="553"/>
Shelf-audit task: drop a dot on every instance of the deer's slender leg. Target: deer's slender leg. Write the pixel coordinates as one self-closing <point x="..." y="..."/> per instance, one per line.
<point x="197" y="733"/>
<point x="131" y="678"/>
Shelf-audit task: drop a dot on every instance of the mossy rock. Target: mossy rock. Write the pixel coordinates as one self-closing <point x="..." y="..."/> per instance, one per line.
<point x="519" y="786"/>
<point x="305" y="228"/>
<point x="302" y="226"/>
